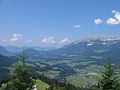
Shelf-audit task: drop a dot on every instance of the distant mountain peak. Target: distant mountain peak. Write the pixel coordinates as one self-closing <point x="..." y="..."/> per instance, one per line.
<point x="95" y="39"/>
<point x="98" y="37"/>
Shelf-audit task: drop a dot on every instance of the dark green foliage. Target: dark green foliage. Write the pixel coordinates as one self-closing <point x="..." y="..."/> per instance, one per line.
<point x="118" y="80"/>
<point x="107" y="81"/>
<point x="21" y="78"/>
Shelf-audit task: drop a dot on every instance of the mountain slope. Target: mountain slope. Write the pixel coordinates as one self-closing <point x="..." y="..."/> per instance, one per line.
<point x="13" y="48"/>
<point x="5" y="62"/>
<point x="4" y="52"/>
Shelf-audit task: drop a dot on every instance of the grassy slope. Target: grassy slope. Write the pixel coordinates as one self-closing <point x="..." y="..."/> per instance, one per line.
<point x="41" y="85"/>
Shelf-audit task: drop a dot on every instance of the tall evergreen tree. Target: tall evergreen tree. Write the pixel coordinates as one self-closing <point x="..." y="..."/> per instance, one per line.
<point x="118" y="79"/>
<point x="21" y="79"/>
<point x="107" y="81"/>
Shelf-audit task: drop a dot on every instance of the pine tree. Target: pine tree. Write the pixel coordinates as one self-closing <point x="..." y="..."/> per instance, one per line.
<point x="21" y="79"/>
<point x="107" y="81"/>
<point x="118" y="79"/>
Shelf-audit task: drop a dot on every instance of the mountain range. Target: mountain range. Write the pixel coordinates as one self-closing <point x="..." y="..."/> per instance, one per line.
<point x="99" y="46"/>
<point x="104" y="46"/>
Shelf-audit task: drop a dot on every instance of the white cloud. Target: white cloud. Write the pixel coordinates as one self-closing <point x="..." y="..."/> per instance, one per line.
<point x="48" y="40"/>
<point x="114" y="11"/>
<point x="115" y="20"/>
<point x="98" y="21"/>
<point x="64" y="41"/>
<point x="112" y="21"/>
<point x="78" y="26"/>
<point x="16" y="37"/>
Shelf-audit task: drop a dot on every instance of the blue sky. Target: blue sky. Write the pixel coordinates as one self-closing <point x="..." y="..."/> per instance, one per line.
<point x="56" y="22"/>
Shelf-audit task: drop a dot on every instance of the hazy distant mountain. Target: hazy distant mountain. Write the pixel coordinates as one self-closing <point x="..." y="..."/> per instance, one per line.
<point x="4" y="52"/>
<point x="37" y="55"/>
<point x="35" y="48"/>
<point x="19" y="49"/>
<point x="49" y="48"/>
<point x="13" y="48"/>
